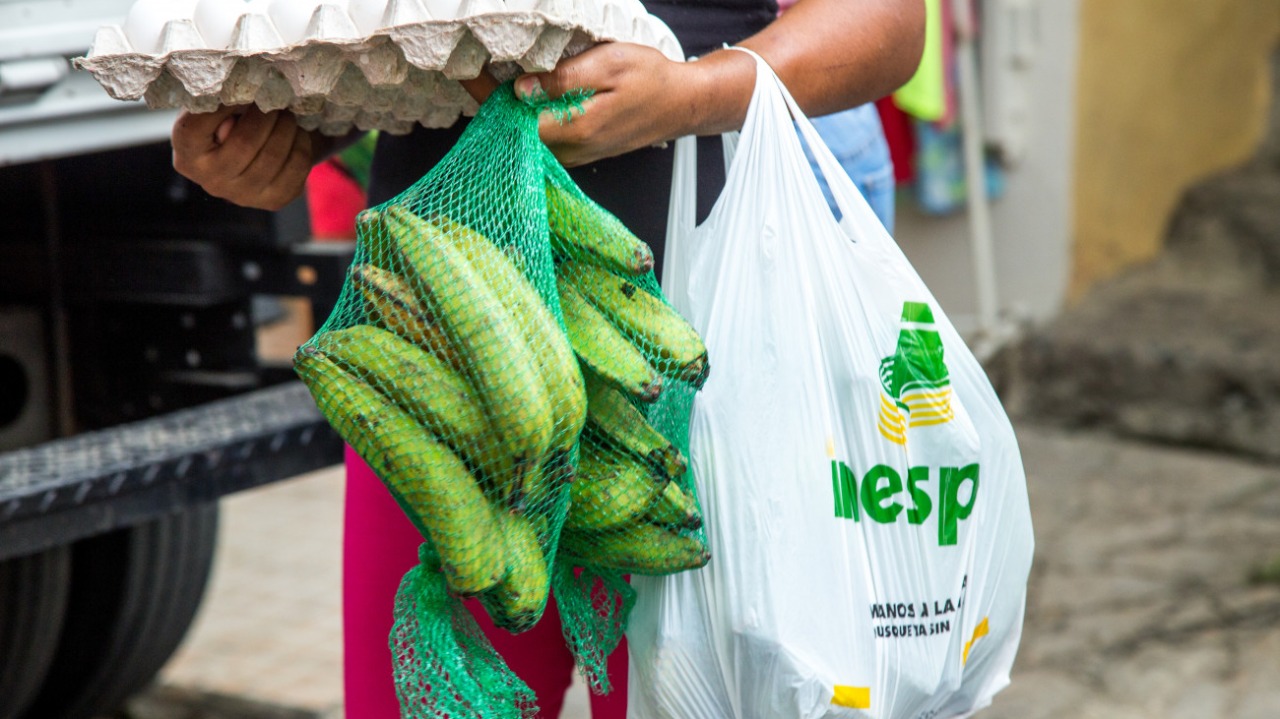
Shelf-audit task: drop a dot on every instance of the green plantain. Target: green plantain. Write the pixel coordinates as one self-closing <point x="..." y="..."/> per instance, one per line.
<point x="657" y="330"/>
<point x="581" y="230"/>
<point x="612" y="416"/>
<point x="604" y="350"/>
<point x="555" y="360"/>
<point x="376" y="240"/>
<point x="390" y="304"/>
<point x="517" y="602"/>
<point x="546" y="492"/>
<point x="430" y="482"/>
<point x="489" y="342"/>
<point x="433" y="393"/>
<point x="639" y="549"/>
<point x="676" y="508"/>
<point x="610" y="491"/>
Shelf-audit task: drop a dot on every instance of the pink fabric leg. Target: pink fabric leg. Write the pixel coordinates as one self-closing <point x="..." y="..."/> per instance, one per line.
<point x="380" y="545"/>
<point x="614" y="704"/>
<point x="539" y="657"/>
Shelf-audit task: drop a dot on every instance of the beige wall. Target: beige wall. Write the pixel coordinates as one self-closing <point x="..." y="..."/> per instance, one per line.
<point x="1168" y="92"/>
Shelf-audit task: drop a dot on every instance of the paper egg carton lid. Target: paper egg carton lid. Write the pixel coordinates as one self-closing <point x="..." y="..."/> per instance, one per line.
<point x="372" y="64"/>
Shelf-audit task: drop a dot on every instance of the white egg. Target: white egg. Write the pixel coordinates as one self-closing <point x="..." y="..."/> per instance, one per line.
<point x="635" y="8"/>
<point x="216" y="20"/>
<point x="368" y="15"/>
<point x="619" y="17"/>
<point x="443" y="9"/>
<point x="255" y="32"/>
<point x="404" y="12"/>
<point x="291" y="18"/>
<point x="641" y="33"/>
<point x="436" y="36"/>
<point x="560" y="11"/>
<point x="147" y="18"/>
<point x="588" y="13"/>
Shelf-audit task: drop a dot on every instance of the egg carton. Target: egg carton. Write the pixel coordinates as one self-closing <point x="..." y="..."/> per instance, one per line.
<point x="386" y="65"/>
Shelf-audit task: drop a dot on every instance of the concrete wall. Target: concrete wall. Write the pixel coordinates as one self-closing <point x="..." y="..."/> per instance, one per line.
<point x="1168" y="91"/>
<point x="1130" y="102"/>
<point x="1032" y="222"/>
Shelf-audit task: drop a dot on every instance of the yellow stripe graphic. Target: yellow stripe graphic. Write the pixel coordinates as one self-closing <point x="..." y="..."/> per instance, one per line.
<point x="932" y="422"/>
<point x="933" y="412"/>
<point x="926" y="404"/>
<point x="940" y="393"/>
<point x="979" y="632"/>
<point x="892" y="425"/>
<point x="896" y="423"/>
<point x="924" y="408"/>
<point x="896" y="434"/>
<point x="895" y="438"/>
<point x="890" y="414"/>
<point x="852" y="697"/>
<point x="887" y="405"/>
<point x="915" y="399"/>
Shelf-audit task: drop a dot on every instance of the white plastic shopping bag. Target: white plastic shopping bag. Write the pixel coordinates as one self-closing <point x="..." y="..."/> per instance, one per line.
<point x="863" y="493"/>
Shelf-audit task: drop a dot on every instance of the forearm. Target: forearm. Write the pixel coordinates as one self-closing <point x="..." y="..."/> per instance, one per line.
<point x="832" y="55"/>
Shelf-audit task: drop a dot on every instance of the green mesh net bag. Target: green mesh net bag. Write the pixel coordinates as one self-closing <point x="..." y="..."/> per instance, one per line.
<point x="503" y="359"/>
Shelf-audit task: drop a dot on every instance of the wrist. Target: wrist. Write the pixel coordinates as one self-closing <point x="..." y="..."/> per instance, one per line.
<point x="720" y="86"/>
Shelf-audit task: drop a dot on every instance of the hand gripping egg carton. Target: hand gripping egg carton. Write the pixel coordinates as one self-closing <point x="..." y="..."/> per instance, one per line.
<point x="372" y="64"/>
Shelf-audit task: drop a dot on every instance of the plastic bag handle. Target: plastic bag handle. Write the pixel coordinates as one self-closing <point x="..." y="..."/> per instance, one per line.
<point x="682" y="212"/>
<point x="854" y="208"/>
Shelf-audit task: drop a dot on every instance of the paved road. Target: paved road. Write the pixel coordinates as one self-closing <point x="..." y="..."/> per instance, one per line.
<point x="1139" y="607"/>
<point x="1140" y="603"/>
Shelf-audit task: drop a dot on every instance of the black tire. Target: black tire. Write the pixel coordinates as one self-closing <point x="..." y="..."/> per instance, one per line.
<point x="133" y="595"/>
<point x="33" y="600"/>
<point x="190" y="564"/>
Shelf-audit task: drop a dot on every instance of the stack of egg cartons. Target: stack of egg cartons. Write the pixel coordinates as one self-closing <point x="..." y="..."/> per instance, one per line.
<point x="372" y="64"/>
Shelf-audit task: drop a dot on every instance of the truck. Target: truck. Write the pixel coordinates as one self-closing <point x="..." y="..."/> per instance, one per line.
<point x="132" y="392"/>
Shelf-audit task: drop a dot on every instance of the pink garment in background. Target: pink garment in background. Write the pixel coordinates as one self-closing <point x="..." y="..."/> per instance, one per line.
<point x="901" y="137"/>
<point x="333" y="200"/>
<point x="380" y="546"/>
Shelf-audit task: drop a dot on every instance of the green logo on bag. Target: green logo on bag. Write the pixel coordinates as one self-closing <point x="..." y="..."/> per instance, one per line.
<point x="915" y="384"/>
<point x="883" y="497"/>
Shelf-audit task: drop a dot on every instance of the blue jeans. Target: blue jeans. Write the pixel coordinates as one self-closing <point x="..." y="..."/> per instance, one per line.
<point x="856" y="138"/>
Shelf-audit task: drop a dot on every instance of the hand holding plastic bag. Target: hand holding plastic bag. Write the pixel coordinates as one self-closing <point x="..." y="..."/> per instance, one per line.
<point x="862" y="488"/>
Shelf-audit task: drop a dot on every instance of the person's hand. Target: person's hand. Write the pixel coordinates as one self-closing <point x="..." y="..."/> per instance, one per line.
<point x="640" y="98"/>
<point x="831" y="54"/>
<point x="244" y="155"/>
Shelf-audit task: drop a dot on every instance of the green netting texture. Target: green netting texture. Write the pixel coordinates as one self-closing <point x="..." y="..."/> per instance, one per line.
<point x="502" y="357"/>
<point x="431" y="680"/>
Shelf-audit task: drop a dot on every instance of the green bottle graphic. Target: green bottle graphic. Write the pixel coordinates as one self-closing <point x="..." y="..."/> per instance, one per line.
<point x="915" y="383"/>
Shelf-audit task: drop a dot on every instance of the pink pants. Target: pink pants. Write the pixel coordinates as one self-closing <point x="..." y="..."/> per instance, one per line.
<point x="380" y="546"/>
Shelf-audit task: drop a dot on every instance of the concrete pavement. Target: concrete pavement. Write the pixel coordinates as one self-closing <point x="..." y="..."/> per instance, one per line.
<point x="270" y="628"/>
<point x="267" y="643"/>
<point x="1140" y="604"/>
